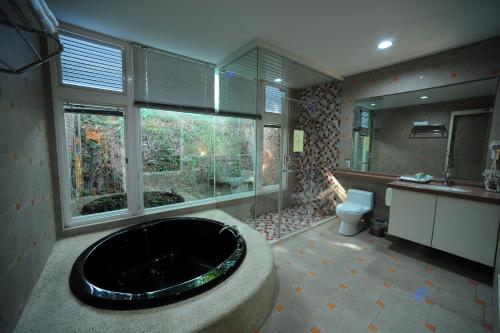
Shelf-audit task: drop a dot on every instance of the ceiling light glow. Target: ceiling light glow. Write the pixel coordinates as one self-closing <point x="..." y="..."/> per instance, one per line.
<point x="278" y="80"/>
<point x="373" y="104"/>
<point x="384" y="44"/>
<point x="424" y="97"/>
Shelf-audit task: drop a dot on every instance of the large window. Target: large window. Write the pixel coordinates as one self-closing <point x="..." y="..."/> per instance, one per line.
<point x="118" y="157"/>
<point x="189" y="157"/>
<point x="95" y="146"/>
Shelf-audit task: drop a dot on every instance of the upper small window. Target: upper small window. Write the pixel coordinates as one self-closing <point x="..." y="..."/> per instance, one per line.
<point x="274" y="99"/>
<point x="90" y="63"/>
<point x="365" y="119"/>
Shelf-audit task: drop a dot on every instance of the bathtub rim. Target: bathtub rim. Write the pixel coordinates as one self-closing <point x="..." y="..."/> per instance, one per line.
<point x="98" y="297"/>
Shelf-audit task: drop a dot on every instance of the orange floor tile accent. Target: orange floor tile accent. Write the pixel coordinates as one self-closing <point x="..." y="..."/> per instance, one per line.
<point x="391" y="270"/>
<point x="280" y="307"/>
<point x="429" y="283"/>
<point x="380" y="303"/>
<point x="315" y="330"/>
<point x="343" y="286"/>
<point x="387" y="284"/>
<point x="330" y="306"/>
<point x="430" y="327"/>
<point x="373" y="328"/>
<point x="429" y="301"/>
<point x="312" y="274"/>
<point x="480" y="301"/>
<point x="298" y="290"/>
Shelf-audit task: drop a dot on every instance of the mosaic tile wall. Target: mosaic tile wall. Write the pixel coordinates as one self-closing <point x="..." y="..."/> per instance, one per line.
<point x="26" y="198"/>
<point x="321" y="141"/>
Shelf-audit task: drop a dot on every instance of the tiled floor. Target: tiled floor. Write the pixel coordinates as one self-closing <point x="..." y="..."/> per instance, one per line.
<point x="293" y="219"/>
<point x="333" y="283"/>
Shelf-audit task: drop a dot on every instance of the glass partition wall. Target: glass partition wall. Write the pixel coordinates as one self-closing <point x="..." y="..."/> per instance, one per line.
<point x="265" y="87"/>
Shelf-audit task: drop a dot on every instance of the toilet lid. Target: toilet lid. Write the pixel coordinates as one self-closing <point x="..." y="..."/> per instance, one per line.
<point x="351" y="207"/>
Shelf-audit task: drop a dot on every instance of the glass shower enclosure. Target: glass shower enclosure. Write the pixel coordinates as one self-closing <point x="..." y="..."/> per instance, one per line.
<point x="270" y="89"/>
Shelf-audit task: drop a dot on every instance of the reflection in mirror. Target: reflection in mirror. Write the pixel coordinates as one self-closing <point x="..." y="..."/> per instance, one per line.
<point x="425" y="131"/>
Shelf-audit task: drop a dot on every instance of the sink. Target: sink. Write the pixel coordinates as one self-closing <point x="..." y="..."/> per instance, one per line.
<point x="445" y="188"/>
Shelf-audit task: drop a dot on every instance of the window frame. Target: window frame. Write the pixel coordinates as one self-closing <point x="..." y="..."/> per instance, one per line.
<point x="65" y="93"/>
<point x="271" y="118"/>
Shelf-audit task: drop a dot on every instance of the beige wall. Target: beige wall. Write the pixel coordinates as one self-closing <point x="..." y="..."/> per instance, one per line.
<point x="26" y="196"/>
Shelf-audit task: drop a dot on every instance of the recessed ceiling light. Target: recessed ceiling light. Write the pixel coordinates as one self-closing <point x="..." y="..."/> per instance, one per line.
<point x="277" y="80"/>
<point x="373" y="104"/>
<point x="424" y="97"/>
<point x="384" y="44"/>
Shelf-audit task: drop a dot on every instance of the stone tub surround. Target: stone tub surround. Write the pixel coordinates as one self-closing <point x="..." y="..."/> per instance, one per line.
<point x="238" y="304"/>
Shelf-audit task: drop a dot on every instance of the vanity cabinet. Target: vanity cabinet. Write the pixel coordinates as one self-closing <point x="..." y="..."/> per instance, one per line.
<point x="466" y="228"/>
<point x="463" y="227"/>
<point x="412" y="216"/>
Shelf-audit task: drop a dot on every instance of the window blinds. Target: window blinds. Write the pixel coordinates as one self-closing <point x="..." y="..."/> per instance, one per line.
<point x="274" y="99"/>
<point x="90" y="63"/>
<point x="172" y="81"/>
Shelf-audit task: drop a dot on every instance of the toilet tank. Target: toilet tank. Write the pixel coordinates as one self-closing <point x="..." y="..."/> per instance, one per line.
<point x="363" y="198"/>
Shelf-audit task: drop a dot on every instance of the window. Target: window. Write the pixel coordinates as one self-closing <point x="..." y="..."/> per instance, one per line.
<point x="234" y="155"/>
<point x="365" y="119"/>
<point x="182" y="157"/>
<point x="189" y="157"/>
<point x="274" y="99"/>
<point x="90" y="63"/>
<point x="95" y="146"/>
<point x="271" y="155"/>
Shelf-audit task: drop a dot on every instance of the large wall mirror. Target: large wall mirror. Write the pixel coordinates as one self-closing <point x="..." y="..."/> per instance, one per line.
<point x="423" y="131"/>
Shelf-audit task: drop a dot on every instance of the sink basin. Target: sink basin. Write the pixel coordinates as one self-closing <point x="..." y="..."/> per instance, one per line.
<point x="445" y="188"/>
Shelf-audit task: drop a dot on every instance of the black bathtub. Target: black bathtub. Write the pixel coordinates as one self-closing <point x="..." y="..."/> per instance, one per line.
<point x="156" y="263"/>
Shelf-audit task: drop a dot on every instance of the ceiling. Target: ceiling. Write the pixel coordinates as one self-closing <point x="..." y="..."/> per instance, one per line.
<point x="434" y="95"/>
<point x="339" y="36"/>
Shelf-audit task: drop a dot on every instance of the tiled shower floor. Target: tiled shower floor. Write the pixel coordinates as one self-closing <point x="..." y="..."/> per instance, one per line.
<point x="332" y="283"/>
<point x="293" y="218"/>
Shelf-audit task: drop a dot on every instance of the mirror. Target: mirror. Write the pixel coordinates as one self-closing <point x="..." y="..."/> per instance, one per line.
<point x="424" y="131"/>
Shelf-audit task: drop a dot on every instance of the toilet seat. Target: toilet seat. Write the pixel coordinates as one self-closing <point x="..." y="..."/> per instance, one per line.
<point x="350" y="207"/>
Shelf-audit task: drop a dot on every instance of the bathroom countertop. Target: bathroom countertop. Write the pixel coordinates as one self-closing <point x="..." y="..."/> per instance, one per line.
<point x="238" y="304"/>
<point x="474" y="193"/>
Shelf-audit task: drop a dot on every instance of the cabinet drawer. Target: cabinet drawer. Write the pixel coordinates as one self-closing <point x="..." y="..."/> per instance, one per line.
<point x="412" y="216"/>
<point x="466" y="228"/>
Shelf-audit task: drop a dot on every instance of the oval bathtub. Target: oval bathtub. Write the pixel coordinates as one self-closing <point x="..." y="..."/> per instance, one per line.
<point x="156" y="263"/>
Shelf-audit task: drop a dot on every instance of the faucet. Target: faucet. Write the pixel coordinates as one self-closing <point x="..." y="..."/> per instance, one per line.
<point x="233" y="229"/>
<point x="447" y="170"/>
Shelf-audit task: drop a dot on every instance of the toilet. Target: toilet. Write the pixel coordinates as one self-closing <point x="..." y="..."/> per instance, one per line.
<point x="350" y="212"/>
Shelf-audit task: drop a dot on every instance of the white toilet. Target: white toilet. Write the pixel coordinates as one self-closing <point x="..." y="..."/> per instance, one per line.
<point x="350" y="212"/>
